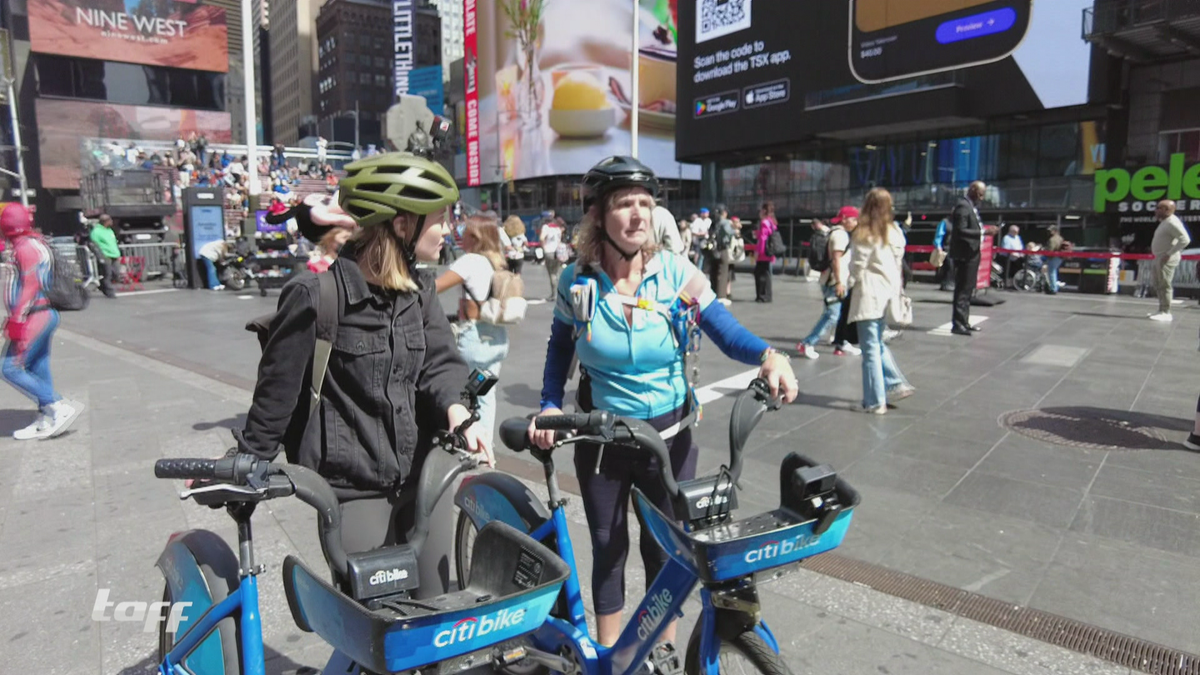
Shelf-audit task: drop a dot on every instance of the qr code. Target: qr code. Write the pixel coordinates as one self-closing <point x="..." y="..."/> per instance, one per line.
<point x="715" y="18"/>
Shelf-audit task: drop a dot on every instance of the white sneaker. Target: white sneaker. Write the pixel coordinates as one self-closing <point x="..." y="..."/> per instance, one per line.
<point x="807" y="352"/>
<point x="850" y="349"/>
<point x="877" y="410"/>
<point x="33" y="430"/>
<point x="1176" y="302"/>
<point x="725" y="301"/>
<point x="59" y="417"/>
<point x="889" y="335"/>
<point x="1161" y="317"/>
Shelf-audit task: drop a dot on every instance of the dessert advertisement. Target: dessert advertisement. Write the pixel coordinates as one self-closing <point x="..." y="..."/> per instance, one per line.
<point x="183" y="34"/>
<point x="553" y="86"/>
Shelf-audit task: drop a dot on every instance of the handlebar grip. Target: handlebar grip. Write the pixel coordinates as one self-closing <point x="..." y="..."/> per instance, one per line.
<point x="231" y="469"/>
<point x="186" y="468"/>
<point x="564" y="422"/>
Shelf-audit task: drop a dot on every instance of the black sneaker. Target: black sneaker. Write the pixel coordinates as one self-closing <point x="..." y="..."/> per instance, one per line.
<point x="1192" y="442"/>
<point x="666" y="660"/>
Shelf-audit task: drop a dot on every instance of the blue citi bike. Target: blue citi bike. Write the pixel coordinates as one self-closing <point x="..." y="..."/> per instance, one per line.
<point x="367" y="611"/>
<point x="728" y="558"/>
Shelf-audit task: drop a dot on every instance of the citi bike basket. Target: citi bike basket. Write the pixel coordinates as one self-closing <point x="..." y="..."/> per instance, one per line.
<point x="727" y="558"/>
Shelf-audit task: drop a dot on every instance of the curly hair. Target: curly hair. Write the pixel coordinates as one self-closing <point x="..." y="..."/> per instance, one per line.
<point x="589" y="239"/>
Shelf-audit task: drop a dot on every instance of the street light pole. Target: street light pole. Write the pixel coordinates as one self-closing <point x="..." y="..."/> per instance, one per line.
<point x="16" y="133"/>
<point x="356" y="123"/>
<point x="251" y="107"/>
<point x="635" y="75"/>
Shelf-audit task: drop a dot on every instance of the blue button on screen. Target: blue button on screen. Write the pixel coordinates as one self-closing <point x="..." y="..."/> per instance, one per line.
<point x="978" y="25"/>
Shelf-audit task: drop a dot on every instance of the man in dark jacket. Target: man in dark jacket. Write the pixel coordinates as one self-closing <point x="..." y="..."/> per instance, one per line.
<point x="966" y="233"/>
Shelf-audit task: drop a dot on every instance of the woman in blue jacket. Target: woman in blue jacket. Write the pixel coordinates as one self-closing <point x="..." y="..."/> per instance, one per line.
<point x="613" y="310"/>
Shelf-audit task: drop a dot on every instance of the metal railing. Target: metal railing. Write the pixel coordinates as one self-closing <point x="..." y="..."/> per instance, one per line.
<point x="1115" y="15"/>
<point x="161" y="260"/>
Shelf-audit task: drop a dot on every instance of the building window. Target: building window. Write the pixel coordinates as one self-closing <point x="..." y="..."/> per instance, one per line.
<point x="1186" y="141"/>
<point x="380" y="62"/>
<point x="364" y="60"/>
<point x="364" y="78"/>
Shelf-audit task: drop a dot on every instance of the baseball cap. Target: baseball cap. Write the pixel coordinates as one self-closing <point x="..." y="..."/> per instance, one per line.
<point x="843" y="213"/>
<point x="704" y="212"/>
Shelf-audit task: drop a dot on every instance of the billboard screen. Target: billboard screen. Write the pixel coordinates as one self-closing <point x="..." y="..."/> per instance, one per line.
<point x="152" y="32"/>
<point x="548" y="87"/>
<point x="63" y="124"/>
<point x="837" y="65"/>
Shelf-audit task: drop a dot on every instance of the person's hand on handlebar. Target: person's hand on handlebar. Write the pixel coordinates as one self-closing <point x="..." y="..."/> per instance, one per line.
<point x="777" y="371"/>
<point x="543" y="438"/>
<point x="473" y="435"/>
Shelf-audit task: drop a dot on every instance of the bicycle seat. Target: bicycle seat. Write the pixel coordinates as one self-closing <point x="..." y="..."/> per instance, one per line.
<point x="514" y="583"/>
<point x="813" y="517"/>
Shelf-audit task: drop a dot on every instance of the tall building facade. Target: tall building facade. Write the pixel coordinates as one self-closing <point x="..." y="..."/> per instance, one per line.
<point x="451" y="12"/>
<point x="354" y="69"/>
<point x="355" y="66"/>
<point x="293" y="59"/>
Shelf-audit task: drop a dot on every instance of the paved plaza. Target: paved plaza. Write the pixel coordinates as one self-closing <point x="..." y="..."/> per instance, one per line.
<point x="1107" y="537"/>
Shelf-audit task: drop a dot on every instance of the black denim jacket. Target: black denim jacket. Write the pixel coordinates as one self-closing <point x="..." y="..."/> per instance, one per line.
<point x="394" y="362"/>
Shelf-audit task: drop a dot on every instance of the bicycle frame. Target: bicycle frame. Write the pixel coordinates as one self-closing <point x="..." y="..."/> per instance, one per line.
<point x="661" y="605"/>
<point x="242" y="604"/>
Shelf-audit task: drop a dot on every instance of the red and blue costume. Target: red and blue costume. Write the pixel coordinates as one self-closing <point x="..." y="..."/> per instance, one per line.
<point x="31" y="320"/>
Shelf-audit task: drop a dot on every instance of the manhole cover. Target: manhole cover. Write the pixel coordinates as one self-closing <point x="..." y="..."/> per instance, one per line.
<point x="1098" y="428"/>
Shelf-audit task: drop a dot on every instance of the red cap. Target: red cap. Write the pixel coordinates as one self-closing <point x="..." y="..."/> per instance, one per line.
<point x="844" y="213"/>
<point x="15" y="220"/>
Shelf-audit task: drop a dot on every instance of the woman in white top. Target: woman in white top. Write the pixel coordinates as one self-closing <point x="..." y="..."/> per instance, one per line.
<point x="551" y="236"/>
<point x="482" y="345"/>
<point x="514" y="229"/>
<point x="876" y="257"/>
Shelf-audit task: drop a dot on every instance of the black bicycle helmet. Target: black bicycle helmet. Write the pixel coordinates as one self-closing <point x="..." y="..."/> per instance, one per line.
<point x="614" y="173"/>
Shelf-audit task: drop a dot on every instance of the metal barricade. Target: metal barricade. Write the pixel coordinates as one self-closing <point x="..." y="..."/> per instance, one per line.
<point x="156" y="261"/>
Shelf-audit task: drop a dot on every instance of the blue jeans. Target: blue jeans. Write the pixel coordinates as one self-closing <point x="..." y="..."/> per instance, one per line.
<point x="829" y="317"/>
<point x="29" y="372"/>
<point x="211" y="268"/>
<point x="484" y="346"/>
<point x="1052" y="265"/>
<point x="880" y="374"/>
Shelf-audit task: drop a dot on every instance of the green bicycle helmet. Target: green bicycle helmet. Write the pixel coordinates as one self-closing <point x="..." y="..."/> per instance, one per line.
<point x="379" y="188"/>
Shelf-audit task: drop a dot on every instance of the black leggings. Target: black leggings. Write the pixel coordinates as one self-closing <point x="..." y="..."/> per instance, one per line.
<point x="606" y="498"/>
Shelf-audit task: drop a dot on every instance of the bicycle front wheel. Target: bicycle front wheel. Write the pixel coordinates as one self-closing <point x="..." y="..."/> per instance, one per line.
<point x="745" y="654"/>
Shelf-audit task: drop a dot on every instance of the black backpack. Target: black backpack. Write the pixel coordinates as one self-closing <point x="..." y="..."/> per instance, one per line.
<point x="722" y="239"/>
<point x="818" y="250"/>
<point x="65" y="292"/>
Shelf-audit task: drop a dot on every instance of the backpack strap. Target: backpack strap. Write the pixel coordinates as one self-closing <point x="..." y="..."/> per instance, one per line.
<point x="327" y="322"/>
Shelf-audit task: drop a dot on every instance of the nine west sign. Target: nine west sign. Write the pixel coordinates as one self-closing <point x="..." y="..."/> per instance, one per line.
<point x="1137" y="193"/>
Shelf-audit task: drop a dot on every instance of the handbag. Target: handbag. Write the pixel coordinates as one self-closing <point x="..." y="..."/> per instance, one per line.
<point x="937" y="258"/>
<point x="899" y="312"/>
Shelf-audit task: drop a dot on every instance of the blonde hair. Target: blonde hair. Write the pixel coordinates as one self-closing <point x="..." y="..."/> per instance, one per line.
<point x="514" y="226"/>
<point x="328" y="243"/>
<point x="381" y="259"/>
<point x="486" y="233"/>
<point x="589" y="236"/>
<point x="875" y="221"/>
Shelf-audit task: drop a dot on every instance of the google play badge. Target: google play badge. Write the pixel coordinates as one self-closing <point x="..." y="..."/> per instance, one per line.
<point x="700" y="108"/>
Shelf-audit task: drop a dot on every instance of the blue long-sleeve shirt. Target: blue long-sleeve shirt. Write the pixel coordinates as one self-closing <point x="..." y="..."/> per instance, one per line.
<point x="940" y="236"/>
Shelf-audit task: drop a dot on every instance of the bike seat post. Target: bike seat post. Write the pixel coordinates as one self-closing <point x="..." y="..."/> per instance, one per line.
<point x="241" y="513"/>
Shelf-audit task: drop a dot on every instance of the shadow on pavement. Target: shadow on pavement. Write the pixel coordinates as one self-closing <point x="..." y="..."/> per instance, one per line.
<point x="238" y="422"/>
<point x="522" y="396"/>
<point x="1084" y="426"/>
<point x="11" y="420"/>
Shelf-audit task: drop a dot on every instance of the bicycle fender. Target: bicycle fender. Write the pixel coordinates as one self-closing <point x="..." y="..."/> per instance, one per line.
<point x="199" y="567"/>
<point x="496" y="496"/>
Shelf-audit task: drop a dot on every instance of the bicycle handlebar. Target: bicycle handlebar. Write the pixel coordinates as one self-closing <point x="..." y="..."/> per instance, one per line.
<point x="229" y="469"/>
<point x="600" y="426"/>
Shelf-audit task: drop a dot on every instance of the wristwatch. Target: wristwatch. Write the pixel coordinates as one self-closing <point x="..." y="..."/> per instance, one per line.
<point x="762" y="359"/>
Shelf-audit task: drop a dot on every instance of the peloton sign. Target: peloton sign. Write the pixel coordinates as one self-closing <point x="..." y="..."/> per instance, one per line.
<point x="1134" y="195"/>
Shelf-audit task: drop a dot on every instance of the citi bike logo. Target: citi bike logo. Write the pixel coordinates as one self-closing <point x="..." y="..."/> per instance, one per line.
<point x="471" y="504"/>
<point x="387" y="576"/>
<point x="149" y="613"/>
<point x="474" y="627"/>
<point x="649" y="618"/>
<point x="774" y="549"/>
<point x="707" y="501"/>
